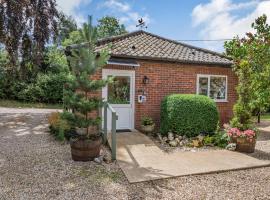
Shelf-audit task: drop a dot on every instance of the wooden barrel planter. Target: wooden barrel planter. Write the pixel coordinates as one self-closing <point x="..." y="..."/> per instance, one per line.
<point x="245" y="145"/>
<point x="85" y="150"/>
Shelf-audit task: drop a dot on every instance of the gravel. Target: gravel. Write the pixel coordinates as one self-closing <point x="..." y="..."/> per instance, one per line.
<point x="35" y="166"/>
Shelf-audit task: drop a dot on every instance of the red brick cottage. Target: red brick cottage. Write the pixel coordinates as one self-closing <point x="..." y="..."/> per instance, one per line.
<point x="148" y="67"/>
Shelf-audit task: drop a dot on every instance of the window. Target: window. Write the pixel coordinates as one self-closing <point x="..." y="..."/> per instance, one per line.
<point x="214" y="86"/>
<point x="119" y="90"/>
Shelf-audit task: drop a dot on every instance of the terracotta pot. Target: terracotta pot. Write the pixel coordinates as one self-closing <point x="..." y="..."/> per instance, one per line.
<point x="245" y="145"/>
<point x="85" y="150"/>
<point x="148" y="128"/>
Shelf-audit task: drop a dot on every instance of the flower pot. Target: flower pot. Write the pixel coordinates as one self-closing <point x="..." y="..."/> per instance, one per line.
<point x="245" y="145"/>
<point x="148" y="128"/>
<point x="81" y="131"/>
<point x="85" y="149"/>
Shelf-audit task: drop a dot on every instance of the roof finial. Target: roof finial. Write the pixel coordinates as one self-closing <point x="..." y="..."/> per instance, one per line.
<point x="141" y="24"/>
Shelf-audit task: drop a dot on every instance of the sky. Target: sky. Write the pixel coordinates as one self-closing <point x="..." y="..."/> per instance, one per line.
<point x="177" y="19"/>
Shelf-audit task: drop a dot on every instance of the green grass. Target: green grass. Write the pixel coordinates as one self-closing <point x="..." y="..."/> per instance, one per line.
<point x="98" y="174"/>
<point x="265" y="116"/>
<point x="19" y="104"/>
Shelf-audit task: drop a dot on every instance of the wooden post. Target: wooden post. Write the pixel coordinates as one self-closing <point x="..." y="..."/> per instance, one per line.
<point x="105" y="117"/>
<point x="100" y="115"/>
<point x="114" y="118"/>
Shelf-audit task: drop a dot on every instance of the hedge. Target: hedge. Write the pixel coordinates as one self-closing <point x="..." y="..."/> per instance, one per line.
<point x="188" y="114"/>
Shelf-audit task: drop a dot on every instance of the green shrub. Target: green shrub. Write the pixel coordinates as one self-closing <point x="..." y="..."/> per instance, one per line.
<point x="221" y="139"/>
<point x="47" y="88"/>
<point x="188" y="114"/>
<point x="51" y="86"/>
<point x="146" y="121"/>
<point x="30" y="93"/>
<point x="59" y="127"/>
<point x="35" y="83"/>
<point x="208" y="140"/>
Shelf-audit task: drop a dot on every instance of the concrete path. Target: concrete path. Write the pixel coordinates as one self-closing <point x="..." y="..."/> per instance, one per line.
<point x="141" y="160"/>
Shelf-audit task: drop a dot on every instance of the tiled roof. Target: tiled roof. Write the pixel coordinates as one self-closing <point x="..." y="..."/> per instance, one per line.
<point x="144" y="45"/>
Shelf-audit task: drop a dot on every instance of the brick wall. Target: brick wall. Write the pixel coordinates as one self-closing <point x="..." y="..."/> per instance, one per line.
<point x="170" y="78"/>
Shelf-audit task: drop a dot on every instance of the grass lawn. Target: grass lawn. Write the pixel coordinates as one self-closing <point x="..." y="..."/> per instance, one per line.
<point x="19" y="104"/>
<point x="265" y="116"/>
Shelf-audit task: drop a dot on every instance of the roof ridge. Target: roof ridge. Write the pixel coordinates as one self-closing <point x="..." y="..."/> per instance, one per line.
<point x="122" y="36"/>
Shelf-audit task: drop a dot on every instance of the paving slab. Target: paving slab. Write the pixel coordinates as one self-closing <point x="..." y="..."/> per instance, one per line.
<point x="142" y="160"/>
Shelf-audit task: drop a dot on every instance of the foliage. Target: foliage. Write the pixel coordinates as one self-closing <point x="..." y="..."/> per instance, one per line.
<point x="188" y="115"/>
<point x="3" y="63"/>
<point x="47" y="88"/>
<point x="55" y="61"/>
<point x="242" y="109"/>
<point x="58" y="126"/>
<point x="208" y="140"/>
<point x="84" y="62"/>
<point x="109" y="26"/>
<point x="251" y="56"/>
<point x="221" y="139"/>
<point x="147" y="121"/>
<point x="74" y="38"/>
<point x="26" y="27"/>
<point x="66" y="25"/>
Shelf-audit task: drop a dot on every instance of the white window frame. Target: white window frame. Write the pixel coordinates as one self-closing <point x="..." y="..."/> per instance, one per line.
<point x="208" y="89"/>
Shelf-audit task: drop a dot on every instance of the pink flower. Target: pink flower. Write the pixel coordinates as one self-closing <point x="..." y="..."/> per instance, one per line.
<point x="250" y="133"/>
<point x="234" y="132"/>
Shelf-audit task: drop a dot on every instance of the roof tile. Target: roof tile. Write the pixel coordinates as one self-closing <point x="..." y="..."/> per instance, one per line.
<point x="150" y="46"/>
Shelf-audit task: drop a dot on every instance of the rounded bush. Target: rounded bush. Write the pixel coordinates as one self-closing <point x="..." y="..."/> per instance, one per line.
<point x="188" y="114"/>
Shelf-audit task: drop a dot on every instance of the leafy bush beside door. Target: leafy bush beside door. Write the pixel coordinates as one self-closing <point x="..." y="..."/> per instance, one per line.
<point x="188" y="114"/>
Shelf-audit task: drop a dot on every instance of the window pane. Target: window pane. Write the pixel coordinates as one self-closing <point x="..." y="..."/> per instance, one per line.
<point x="119" y="90"/>
<point x="203" y="86"/>
<point x="218" y="87"/>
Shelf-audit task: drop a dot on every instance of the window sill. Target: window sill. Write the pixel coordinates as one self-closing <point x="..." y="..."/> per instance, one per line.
<point x="221" y="101"/>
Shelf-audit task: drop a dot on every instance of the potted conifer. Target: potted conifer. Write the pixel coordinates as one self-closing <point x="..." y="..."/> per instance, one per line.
<point x="79" y="98"/>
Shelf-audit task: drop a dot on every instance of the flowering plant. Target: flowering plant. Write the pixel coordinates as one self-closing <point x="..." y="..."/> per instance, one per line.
<point x="235" y="132"/>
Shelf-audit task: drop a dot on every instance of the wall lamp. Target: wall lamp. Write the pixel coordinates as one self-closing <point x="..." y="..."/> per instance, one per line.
<point x="145" y="80"/>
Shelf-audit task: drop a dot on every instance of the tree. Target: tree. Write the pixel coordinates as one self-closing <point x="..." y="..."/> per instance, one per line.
<point x="66" y="25"/>
<point x="74" y="38"/>
<point x="109" y="26"/>
<point x="85" y="62"/>
<point x="251" y="56"/>
<point x="25" y="28"/>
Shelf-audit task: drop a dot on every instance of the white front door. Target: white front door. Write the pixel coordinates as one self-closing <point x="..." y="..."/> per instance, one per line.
<point x="120" y="95"/>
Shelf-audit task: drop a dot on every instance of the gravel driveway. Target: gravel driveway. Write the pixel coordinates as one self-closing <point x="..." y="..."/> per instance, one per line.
<point x="35" y="166"/>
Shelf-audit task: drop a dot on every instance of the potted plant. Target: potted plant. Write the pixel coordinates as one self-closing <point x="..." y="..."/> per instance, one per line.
<point x="245" y="140"/>
<point x="79" y="95"/>
<point x="147" y="125"/>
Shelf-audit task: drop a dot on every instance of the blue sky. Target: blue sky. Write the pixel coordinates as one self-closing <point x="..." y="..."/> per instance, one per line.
<point x="177" y="19"/>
